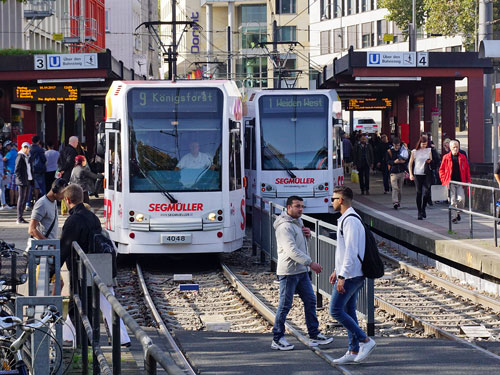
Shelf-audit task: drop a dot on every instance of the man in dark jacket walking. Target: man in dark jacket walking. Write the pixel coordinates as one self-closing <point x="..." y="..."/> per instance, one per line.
<point x="66" y="160"/>
<point x="24" y="180"/>
<point x="38" y="161"/>
<point x="363" y="162"/>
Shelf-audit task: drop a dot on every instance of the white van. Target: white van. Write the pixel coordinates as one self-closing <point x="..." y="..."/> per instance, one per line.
<point x="366" y="125"/>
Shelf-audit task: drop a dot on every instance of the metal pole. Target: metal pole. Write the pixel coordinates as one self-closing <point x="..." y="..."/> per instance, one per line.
<point x="412" y="28"/>
<point x="449" y="207"/>
<point x="209" y="17"/>
<point x="174" y="41"/>
<point x="229" y="72"/>
<point x="96" y="327"/>
<point x="276" y="81"/>
<point x="470" y="210"/>
<point x="319" y="296"/>
<point x="495" y="215"/>
<point x="115" y="337"/>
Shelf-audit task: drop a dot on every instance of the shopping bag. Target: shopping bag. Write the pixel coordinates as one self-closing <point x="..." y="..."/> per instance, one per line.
<point x="439" y="193"/>
<point x="354" y="176"/>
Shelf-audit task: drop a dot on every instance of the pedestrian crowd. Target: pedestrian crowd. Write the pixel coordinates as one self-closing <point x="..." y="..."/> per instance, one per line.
<point x="423" y="165"/>
<point x="28" y="172"/>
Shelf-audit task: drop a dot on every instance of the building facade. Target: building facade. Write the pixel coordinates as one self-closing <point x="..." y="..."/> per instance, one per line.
<point x="135" y="47"/>
<point x="233" y="40"/>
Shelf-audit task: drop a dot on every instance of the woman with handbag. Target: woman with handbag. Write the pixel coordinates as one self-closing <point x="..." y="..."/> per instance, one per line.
<point x="418" y="166"/>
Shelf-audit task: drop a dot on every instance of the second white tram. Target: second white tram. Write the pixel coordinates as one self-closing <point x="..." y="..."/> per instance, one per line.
<point x="174" y="167"/>
<point x="293" y="147"/>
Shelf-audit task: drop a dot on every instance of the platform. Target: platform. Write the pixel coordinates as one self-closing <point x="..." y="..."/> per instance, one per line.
<point x="431" y="234"/>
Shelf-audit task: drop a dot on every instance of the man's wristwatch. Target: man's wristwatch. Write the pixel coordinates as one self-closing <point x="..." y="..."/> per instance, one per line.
<point x="340" y="277"/>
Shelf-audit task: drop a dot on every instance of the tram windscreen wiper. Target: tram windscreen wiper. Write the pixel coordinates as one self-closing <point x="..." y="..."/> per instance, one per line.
<point x="156" y="183"/>
<point x="292" y="175"/>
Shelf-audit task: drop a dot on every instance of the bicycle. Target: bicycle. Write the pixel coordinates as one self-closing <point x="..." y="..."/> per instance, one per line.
<point x="15" y="355"/>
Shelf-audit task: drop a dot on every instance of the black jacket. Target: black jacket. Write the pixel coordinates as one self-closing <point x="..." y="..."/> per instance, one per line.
<point x="21" y="170"/>
<point x="66" y="161"/>
<point x="37" y="152"/>
<point x="392" y="156"/>
<point x="78" y="227"/>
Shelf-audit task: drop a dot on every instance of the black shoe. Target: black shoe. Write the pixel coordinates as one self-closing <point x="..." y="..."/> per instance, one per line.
<point x="429" y="203"/>
<point x="454" y="220"/>
<point x="21" y="221"/>
<point x="458" y="217"/>
<point x="419" y="217"/>
<point x="396" y="206"/>
<point x="367" y="192"/>
<point x="424" y="215"/>
<point x="362" y="192"/>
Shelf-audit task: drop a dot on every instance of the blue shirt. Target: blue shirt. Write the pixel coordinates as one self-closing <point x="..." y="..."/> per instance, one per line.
<point x="11" y="160"/>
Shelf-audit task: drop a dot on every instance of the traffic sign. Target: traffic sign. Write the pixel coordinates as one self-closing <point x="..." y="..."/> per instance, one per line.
<point x="66" y="61"/>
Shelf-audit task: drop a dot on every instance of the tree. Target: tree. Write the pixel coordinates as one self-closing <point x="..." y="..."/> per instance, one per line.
<point x="448" y="18"/>
<point x="451" y="18"/>
<point x="400" y="11"/>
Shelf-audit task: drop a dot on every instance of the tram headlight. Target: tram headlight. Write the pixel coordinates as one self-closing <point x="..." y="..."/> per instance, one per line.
<point x="212" y="216"/>
<point x="269" y="188"/>
<point x="139" y="218"/>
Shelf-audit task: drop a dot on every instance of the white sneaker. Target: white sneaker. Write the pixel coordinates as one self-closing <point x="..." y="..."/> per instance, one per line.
<point x="3" y="208"/>
<point x="365" y="348"/>
<point x="282" y="344"/>
<point x="320" y="340"/>
<point x="348" y="357"/>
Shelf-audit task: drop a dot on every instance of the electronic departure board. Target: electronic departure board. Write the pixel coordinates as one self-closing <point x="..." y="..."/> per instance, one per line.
<point x="46" y="93"/>
<point x="367" y="104"/>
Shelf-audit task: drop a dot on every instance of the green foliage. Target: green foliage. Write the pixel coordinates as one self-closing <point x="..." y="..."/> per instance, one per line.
<point x="18" y="51"/>
<point x="451" y="18"/>
<point x="400" y="11"/>
<point x="448" y="18"/>
<point x="19" y="1"/>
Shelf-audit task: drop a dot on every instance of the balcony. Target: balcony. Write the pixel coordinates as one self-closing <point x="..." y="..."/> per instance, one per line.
<point x="38" y="9"/>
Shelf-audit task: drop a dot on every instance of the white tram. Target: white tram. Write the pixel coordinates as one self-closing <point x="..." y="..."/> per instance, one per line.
<point x="293" y="146"/>
<point x="174" y="167"/>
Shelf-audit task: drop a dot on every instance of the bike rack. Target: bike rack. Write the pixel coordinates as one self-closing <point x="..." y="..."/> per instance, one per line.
<point x="42" y="253"/>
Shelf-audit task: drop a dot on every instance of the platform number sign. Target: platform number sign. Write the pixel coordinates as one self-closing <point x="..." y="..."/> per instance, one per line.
<point x="40" y="62"/>
<point x="423" y="59"/>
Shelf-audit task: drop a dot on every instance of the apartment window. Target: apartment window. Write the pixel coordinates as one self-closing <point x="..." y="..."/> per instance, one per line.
<point x="382" y="28"/>
<point x="338" y="8"/>
<point x="364" y="3"/>
<point x="367" y="35"/>
<point x="286" y="6"/>
<point x="325" y="42"/>
<point x="352" y="39"/>
<point x="107" y="27"/>
<point x="338" y="40"/>
<point x="254" y="70"/>
<point x="253" y="28"/>
<point x="253" y="13"/>
<point x="287" y="34"/>
<point x="325" y="9"/>
<point x="398" y="34"/>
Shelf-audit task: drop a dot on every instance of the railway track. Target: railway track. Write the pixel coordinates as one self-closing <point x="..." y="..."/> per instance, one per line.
<point x="411" y="302"/>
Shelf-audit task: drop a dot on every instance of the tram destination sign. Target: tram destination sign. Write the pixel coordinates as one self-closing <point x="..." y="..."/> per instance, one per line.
<point x="175" y="100"/>
<point x="368" y="104"/>
<point x="271" y="104"/>
<point x="47" y="93"/>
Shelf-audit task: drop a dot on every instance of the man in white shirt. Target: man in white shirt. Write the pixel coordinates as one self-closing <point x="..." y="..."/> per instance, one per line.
<point x="347" y="278"/>
<point x="195" y="159"/>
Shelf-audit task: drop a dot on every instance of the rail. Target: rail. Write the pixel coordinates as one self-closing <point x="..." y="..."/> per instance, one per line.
<point x="490" y="212"/>
<point x="322" y="247"/>
<point x="88" y="323"/>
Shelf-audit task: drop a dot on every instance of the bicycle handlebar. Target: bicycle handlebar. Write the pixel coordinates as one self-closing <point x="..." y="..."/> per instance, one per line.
<point x="51" y="314"/>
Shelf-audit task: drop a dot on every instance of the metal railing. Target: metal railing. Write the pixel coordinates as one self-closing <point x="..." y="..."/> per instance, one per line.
<point x="491" y="211"/>
<point x="87" y="300"/>
<point x="322" y="247"/>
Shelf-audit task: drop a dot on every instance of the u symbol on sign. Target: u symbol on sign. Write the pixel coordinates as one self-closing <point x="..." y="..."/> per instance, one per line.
<point x="374" y="58"/>
<point x="54" y="60"/>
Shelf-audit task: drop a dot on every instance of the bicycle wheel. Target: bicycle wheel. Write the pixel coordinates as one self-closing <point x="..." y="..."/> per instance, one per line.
<point x="8" y="361"/>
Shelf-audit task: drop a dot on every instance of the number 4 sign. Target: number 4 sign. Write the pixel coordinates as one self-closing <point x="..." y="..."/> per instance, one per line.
<point x="423" y="59"/>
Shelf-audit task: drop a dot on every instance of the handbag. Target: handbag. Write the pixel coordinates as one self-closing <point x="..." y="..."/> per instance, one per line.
<point x="355" y="176"/>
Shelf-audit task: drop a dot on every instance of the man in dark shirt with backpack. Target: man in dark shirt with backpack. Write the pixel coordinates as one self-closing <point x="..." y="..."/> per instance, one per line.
<point x="38" y="160"/>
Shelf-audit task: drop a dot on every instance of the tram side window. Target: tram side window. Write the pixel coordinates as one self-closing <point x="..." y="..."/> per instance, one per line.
<point x="111" y="162"/>
<point x="250" y="145"/>
<point x="235" y="175"/>
<point x="119" y="165"/>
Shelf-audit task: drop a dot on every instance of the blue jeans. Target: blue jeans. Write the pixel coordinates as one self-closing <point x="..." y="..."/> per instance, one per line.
<point x="343" y="309"/>
<point x="288" y="285"/>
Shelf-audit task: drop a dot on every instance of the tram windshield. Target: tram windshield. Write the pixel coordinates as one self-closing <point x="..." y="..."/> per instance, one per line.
<point x="175" y="139"/>
<point x="294" y="132"/>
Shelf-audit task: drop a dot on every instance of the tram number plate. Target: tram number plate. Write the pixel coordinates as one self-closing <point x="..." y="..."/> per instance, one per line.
<point x="175" y="238"/>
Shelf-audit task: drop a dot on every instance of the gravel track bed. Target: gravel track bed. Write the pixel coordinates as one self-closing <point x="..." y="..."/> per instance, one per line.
<point x="216" y="297"/>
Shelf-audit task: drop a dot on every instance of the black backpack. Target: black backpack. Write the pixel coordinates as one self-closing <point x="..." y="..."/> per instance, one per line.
<point x="371" y="264"/>
<point x="39" y="166"/>
<point x="100" y="244"/>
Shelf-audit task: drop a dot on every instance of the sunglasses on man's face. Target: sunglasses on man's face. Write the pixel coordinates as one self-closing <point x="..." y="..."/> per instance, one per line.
<point x="334" y="198"/>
